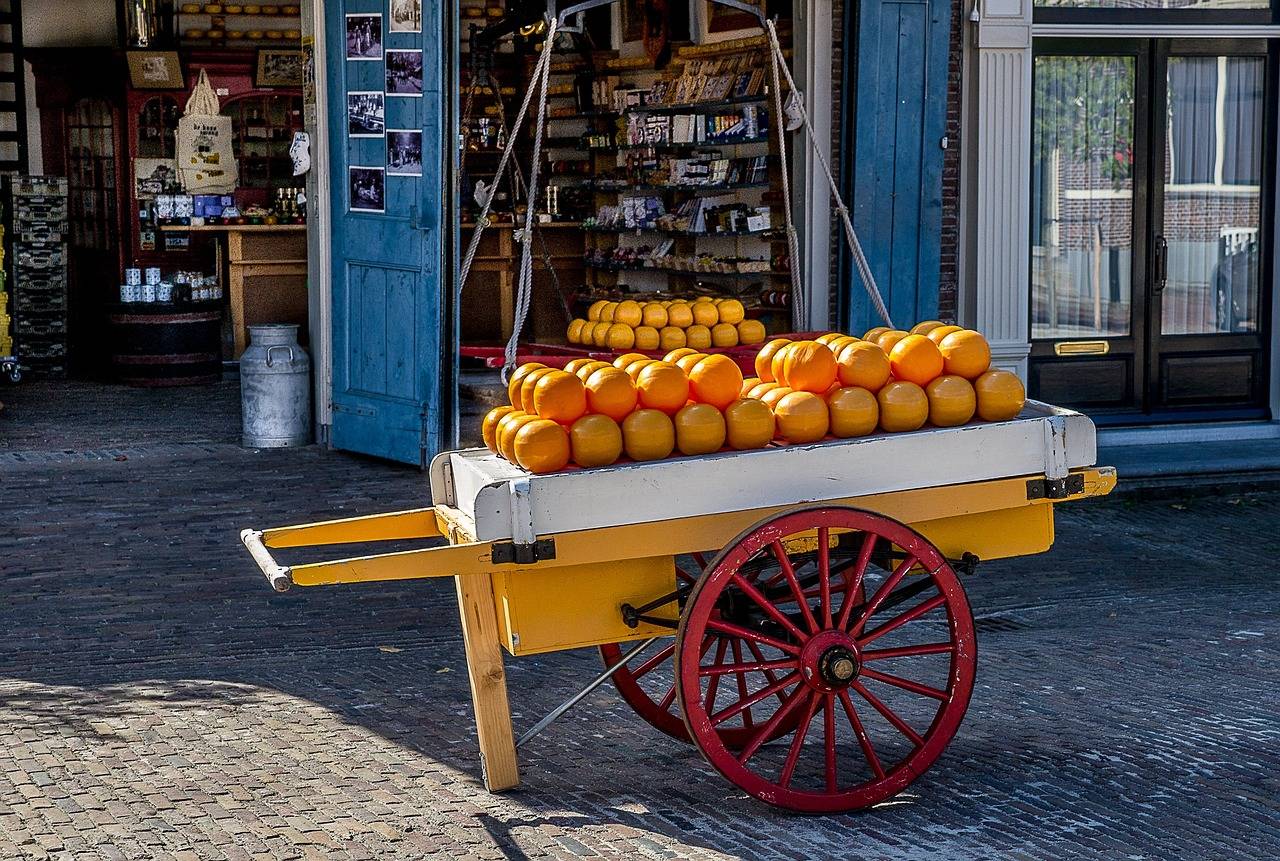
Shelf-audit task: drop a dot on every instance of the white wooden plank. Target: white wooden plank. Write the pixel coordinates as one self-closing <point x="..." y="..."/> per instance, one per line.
<point x="1043" y="438"/>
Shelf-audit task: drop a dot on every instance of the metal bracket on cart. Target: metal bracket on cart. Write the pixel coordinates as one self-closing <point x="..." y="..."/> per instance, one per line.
<point x="507" y="552"/>
<point x="1056" y="488"/>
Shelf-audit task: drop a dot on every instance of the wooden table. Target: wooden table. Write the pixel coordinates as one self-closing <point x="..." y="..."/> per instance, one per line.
<point x="266" y="274"/>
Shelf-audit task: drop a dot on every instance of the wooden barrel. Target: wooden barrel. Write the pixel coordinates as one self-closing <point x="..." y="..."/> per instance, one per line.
<point x="160" y="345"/>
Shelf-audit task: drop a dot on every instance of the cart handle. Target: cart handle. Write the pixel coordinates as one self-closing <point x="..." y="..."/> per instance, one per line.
<point x="279" y="576"/>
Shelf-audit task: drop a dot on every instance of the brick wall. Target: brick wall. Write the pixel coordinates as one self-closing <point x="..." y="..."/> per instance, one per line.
<point x="837" y="160"/>
<point x="949" y="275"/>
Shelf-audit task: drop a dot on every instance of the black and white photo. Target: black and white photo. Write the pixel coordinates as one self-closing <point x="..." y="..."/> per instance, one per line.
<point x="406" y="16"/>
<point x="366" y="114"/>
<point x="404" y="72"/>
<point x="367" y="188"/>
<point x="364" y="37"/>
<point x="404" y="152"/>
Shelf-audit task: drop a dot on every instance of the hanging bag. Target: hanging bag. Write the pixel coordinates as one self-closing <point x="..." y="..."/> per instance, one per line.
<point x="206" y="159"/>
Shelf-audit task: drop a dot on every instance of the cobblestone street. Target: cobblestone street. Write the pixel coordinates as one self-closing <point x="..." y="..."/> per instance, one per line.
<point x="157" y="700"/>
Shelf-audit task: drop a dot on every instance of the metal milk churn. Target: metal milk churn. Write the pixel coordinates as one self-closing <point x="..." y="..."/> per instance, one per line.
<point x="275" y="388"/>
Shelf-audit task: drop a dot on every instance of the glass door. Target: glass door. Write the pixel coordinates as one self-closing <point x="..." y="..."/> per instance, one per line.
<point x="1149" y="247"/>
<point x="1208" y="227"/>
<point x="1088" y="217"/>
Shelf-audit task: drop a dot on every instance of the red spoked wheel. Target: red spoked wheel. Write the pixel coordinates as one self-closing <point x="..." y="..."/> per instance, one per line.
<point x="648" y="683"/>
<point x="869" y="690"/>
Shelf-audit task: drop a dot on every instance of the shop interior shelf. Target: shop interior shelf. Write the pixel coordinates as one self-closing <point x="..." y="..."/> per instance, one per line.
<point x="692" y="145"/>
<point x="771" y="273"/>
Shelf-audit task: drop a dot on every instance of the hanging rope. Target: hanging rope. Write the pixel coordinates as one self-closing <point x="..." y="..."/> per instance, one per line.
<point x="524" y="290"/>
<point x="482" y="221"/>
<point x="859" y="258"/>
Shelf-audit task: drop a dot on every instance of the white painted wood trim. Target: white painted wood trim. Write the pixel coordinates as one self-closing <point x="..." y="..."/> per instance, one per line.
<point x="319" y="228"/>
<point x="490" y="492"/>
<point x="1160" y="31"/>
<point x="811" y="196"/>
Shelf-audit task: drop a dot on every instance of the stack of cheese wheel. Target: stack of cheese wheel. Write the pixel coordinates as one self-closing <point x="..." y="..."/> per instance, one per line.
<point x="666" y="325"/>
<point x="891" y="380"/>
<point x="593" y="413"/>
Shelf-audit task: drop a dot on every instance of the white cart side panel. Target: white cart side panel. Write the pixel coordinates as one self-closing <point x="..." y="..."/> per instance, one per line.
<point x="1041" y="441"/>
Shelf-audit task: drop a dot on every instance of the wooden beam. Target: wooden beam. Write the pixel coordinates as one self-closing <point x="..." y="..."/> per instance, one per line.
<point x="488" y="681"/>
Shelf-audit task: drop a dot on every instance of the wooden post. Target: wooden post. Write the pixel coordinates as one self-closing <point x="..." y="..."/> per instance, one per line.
<point x="488" y="681"/>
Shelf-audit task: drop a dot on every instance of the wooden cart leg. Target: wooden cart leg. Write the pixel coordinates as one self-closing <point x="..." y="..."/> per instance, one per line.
<point x="488" y="681"/>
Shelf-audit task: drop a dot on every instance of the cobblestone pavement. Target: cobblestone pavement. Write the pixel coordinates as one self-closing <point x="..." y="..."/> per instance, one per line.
<point x="156" y="700"/>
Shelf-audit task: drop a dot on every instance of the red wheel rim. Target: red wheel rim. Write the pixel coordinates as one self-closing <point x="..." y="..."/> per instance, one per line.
<point x="877" y="687"/>
<point x="648" y="683"/>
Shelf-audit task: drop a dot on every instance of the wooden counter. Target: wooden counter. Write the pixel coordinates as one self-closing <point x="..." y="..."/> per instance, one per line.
<point x="266" y="274"/>
<point x="489" y="298"/>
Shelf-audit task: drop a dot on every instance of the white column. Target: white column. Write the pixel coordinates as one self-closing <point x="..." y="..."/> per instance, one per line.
<point x="998" y="242"/>
<point x="319" y="273"/>
<point x="811" y="197"/>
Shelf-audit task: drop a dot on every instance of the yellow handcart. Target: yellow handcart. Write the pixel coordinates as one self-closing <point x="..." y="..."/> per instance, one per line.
<point x="795" y="612"/>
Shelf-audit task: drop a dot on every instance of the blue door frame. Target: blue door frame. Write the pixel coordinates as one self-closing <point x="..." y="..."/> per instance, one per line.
<point x="899" y="54"/>
<point x="392" y="356"/>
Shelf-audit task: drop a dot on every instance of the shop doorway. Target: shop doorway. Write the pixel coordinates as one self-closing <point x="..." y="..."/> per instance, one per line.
<point x="1151" y="212"/>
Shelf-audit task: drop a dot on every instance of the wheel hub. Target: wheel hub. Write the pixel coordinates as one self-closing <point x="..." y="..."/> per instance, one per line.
<point x="838" y="666"/>
<point x="829" y="661"/>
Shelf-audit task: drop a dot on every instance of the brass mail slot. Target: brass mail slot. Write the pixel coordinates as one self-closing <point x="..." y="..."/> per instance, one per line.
<point x="1082" y="348"/>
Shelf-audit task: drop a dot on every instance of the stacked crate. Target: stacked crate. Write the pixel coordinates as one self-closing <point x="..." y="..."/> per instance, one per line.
<point x="38" y="205"/>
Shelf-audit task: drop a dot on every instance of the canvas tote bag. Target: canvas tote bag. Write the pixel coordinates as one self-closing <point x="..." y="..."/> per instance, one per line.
<point x="206" y="159"/>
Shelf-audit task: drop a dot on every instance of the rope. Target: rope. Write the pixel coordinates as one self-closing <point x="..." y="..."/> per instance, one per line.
<point x="524" y="291"/>
<point x="482" y="221"/>
<point x="799" y="319"/>
<point x="859" y="257"/>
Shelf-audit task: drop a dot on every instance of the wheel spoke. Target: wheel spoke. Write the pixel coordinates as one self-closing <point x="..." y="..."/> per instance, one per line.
<point x="889" y="714"/>
<point x="766" y="732"/>
<point x="789" y="571"/>
<point x="853" y="581"/>
<point x="765" y="692"/>
<point x="768" y="673"/>
<point x="829" y="738"/>
<point x="761" y="666"/>
<point x="724" y="627"/>
<point x="742" y="684"/>
<point x="905" y="684"/>
<point x="652" y="663"/>
<point x="900" y="620"/>
<point x="721" y="647"/>
<point x="864" y="740"/>
<point x="882" y="593"/>
<point x="770" y="610"/>
<point x="669" y="698"/>
<point x="824" y="575"/>
<point x="797" y="743"/>
<point x="701" y="560"/>
<point x="685" y="575"/>
<point x="906" y="651"/>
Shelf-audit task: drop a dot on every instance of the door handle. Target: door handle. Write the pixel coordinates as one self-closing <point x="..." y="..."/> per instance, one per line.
<point x="1162" y="264"/>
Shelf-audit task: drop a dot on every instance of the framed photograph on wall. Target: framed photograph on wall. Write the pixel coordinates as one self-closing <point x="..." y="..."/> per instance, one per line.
<point x="404" y="72"/>
<point x="366" y="114"/>
<point x="405" y="16"/>
<point x="278" y="67"/>
<point x="366" y="188"/>
<point x="156" y="70"/>
<point x="364" y="36"/>
<point x="404" y="152"/>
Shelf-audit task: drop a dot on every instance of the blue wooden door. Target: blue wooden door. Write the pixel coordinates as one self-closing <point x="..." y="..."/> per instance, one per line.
<point x="900" y="118"/>
<point x="387" y="210"/>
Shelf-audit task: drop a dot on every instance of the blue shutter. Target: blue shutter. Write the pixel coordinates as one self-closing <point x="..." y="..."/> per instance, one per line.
<point x="899" y="120"/>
